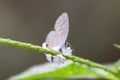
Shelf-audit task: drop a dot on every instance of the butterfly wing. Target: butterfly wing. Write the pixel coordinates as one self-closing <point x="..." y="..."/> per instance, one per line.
<point x="59" y="35"/>
<point x="62" y="28"/>
<point x="51" y="38"/>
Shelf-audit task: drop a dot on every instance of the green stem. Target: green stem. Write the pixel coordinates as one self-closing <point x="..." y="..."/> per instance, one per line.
<point x="28" y="46"/>
<point x="52" y="52"/>
<point x="117" y="46"/>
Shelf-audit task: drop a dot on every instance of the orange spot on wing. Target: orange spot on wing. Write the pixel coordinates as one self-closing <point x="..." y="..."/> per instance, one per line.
<point x="48" y="45"/>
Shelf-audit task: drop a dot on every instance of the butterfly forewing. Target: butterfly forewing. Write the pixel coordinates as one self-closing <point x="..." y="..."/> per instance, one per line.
<point x="62" y="26"/>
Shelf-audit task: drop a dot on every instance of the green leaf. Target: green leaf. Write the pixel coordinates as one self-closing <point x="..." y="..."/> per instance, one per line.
<point x="116" y="67"/>
<point x="69" y="70"/>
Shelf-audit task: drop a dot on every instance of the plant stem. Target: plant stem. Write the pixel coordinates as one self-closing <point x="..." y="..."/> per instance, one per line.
<point x="117" y="46"/>
<point x="28" y="46"/>
<point x="52" y="52"/>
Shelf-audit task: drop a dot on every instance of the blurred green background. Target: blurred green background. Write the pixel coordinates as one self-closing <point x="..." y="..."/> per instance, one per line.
<point x="94" y="28"/>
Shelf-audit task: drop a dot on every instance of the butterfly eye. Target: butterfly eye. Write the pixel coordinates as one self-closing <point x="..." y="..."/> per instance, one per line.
<point x="66" y="43"/>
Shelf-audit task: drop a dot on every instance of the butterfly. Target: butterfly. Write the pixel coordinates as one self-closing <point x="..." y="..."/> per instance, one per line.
<point x="56" y="39"/>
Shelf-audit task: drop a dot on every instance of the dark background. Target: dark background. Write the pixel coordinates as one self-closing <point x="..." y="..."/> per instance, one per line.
<point x="94" y="28"/>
